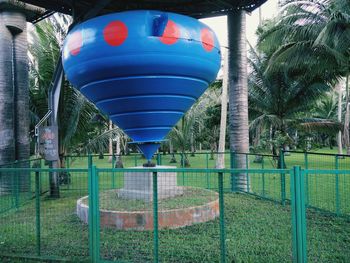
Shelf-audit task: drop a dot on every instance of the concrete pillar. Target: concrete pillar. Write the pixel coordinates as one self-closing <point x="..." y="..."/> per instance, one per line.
<point x="7" y="137"/>
<point x="14" y="95"/>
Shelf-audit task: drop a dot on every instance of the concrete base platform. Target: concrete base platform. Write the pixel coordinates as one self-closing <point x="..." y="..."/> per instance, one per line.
<point x="139" y="185"/>
<point x="143" y="220"/>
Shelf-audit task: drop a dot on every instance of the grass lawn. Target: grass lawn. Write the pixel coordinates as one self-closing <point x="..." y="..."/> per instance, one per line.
<point x="256" y="231"/>
<point x="204" y="160"/>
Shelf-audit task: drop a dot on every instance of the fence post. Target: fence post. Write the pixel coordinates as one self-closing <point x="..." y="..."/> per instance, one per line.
<point x="155" y="218"/>
<point x="94" y="216"/>
<point x="222" y="218"/>
<point x="96" y="213"/>
<point x="306" y="161"/>
<point x="135" y="159"/>
<point x="90" y="216"/>
<point x="283" y="188"/>
<point x="282" y="178"/>
<point x="297" y="189"/>
<point x="40" y="181"/>
<point x="16" y="186"/>
<point x="247" y="175"/>
<point x="337" y="197"/>
<point x="37" y="213"/>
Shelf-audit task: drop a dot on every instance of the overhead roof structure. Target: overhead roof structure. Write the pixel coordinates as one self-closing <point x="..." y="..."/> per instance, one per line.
<point x="85" y="9"/>
<point x="31" y="12"/>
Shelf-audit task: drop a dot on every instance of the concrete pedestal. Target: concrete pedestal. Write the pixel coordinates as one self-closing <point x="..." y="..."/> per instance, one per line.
<point x="139" y="185"/>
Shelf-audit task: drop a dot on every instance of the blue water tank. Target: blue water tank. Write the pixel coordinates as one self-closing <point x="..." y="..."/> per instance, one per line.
<point x="144" y="69"/>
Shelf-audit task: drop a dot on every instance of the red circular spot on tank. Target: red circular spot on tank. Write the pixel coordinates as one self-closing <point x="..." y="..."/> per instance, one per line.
<point x="207" y="38"/>
<point x="75" y="42"/>
<point x="171" y="33"/>
<point x="115" y="33"/>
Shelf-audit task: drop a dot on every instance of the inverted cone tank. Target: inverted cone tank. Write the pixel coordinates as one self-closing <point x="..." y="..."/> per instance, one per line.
<point x="144" y="69"/>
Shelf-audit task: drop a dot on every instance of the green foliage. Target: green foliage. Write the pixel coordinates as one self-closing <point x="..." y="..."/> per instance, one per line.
<point x="192" y="123"/>
<point x="78" y="132"/>
<point x="309" y="35"/>
<point x="308" y="46"/>
<point x="281" y="100"/>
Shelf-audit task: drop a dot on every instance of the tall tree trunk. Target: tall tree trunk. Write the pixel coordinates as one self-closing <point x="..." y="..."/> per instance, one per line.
<point x="346" y="129"/>
<point x="171" y="149"/>
<point x="347" y="117"/>
<point x="340" y="100"/>
<point x="119" y="162"/>
<point x="220" y="161"/>
<point x="238" y="94"/>
<point x="110" y="144"/>
<point x="193" y="149"/>
<point x="117" y="146"/>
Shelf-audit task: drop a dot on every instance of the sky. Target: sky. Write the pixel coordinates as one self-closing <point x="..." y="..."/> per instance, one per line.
<point x="218" y="24"/>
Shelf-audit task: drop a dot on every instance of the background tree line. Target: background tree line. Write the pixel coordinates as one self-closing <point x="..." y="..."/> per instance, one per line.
<point x="297" y="88"/>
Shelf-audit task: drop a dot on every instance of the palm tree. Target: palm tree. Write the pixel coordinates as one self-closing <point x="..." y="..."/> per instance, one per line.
<point x="324" y="122"/>
<point x="315" y="32"/>
<point x="238" y="94"/>
<point x="185" y="131"/>
<point x="305" y="29"/>
<point x="280" y="100"/>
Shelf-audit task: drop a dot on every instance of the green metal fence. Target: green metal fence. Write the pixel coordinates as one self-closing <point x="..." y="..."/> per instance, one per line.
<point x="197" y="160"/>
<point x="315" y="160"/>
<point x="287" y="159"/>
<point x="36" y="227"/>
<point x="284" y="215"/>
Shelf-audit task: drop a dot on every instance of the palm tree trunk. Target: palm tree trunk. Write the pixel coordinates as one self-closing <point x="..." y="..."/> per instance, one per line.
<point x="238" y="94"/>
<point x="171" y="150"/>
<point x="119" y="162"/>
<point x="193" y="149"/>
<point x="340" y="99"/>
<point x="346" y="128"/>
<point x="220" y="161"/>
<point x="347" y="117"/>
<point x="110" y="144"/>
